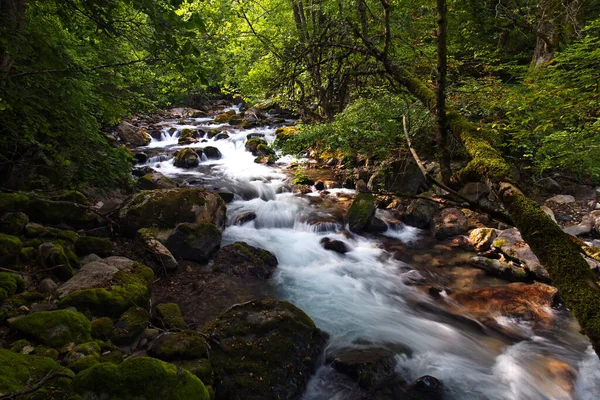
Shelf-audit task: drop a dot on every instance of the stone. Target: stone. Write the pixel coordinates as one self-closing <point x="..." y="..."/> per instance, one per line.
<point x="108" y="287"/>
<point x="60" y="212"/>
<point x="264" y="349"/>
<point x="420" y="213"/>
<point x="581" y="229"/>
<point x="185" y="345"/>
<point x="194" y="242"/>
<point x="85" y="245"/>
<point x="369" y="367"/>
<point x="54" y="328"/>
<point x="376" y="225"/>
<point x="226" y="196"/>
<point x="510" y="243"/>
<point x="361" y="212"/>
<point x="482" y="238"/>
<point x="168" y="316"/>
<point x="155" y="180"/>
<point x="186" y="158"/>
<point x="503" y="269"/>
<point x="241" y="259"/>
<point x="549" y="212"/>
<point x="102" y="328"/>
<point x="13" y="223"/>
<point x="252" y="145"/>
<point x="10" y="284"/>
<point x="475" y="191"/>
<point x="130" y="325"/>
<point x="561" y="199"/>
<point x="155" y="254"/>
<point x="425" y="388"/>
<point x="334" y="245"/>
<point x="47" y="285"/>
<point x="142" y="378"/>
<point x="450" y="222"/>
<point x="10" y="248"/>
<point x="166" y="208"/>
<point x="17" y="371"/>
<point x="581" y="192"/>
<point x="189" y="136"/>
<point x="53" y="259"/>
<point x="212" y="153"/>
<point x="140" y="157"/>
<point x="244" y="218"/>
<point x="132" y="135"/>
<point x="552" y="186"/>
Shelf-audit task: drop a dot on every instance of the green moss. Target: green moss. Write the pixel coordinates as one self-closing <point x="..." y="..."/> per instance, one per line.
<point x="84" y="363"/>
<point x="224" y="118"/>
<point x="129" y="289"/>
<point x="54" y="328"/>
<point x="10" y="284"/>
<point x="17" y="370"/>
<point x="27" y="254"/>
<point x="130" y="325"/>
<point x="13" y="202"/>
<point x="13" y="223"/>
<point x="19" y="345"/>
<point x="499" y="242"/>
<point x="102" y="328"/>
<point x="201" y="368"/>
<point x="253" y="144"/>
<point x="10" y="247"/>
<point x="169" y="316"/>
<point x="139" y="378"/>
<point x="361" y="211"/>
<point x="43" y="351"/>
<point x="44" y="233"/>
<point x="54" y="259"/>
<point x="186" y="345"/>
<point x="51" y="212"/>
<point x="93" y="245"/>
<point x="26" y="299"/>
<point x="71" y="195"/>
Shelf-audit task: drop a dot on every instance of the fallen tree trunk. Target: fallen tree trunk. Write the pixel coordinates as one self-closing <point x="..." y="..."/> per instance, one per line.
<point x="561" y="257"/>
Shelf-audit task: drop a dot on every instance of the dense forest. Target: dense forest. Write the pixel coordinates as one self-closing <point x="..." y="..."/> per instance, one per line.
<point x="120" y="122"/>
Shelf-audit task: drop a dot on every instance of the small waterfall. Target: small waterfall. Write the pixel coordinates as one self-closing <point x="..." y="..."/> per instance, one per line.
<point x="158" y="159"/>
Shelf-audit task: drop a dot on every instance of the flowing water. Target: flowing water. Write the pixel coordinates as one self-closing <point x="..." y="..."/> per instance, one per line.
<point x="364" y="296"/>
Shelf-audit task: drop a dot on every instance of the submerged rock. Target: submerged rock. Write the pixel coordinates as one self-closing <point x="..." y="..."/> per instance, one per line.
<point x="241" y="259"/>
<point x="167" y="208"/>
<point x="334" y="245"/>
<point x="194" y="242"/>
<point x="244" y="218"/>
<point x="264" y="349"/>
<point x="502" y="269"/>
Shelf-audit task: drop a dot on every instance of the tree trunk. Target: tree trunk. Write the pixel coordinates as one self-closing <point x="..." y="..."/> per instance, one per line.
<point x="12" y="19"/>
<point x="442" y="71"/>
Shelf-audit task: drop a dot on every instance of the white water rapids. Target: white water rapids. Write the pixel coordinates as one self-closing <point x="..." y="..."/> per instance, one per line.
<point x="362" y="295"/>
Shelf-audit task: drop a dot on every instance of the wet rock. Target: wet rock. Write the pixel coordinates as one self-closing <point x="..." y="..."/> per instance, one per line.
<point x="334" y="245"/>
<point x="226" y="196"/>
<point x="265" y="349"/>
<point x="253" y="144"/>
<point x="244" y="218"/>
<point x="361" y="212"/>
<point x="425" y="388"/>
<point x="140" y="157"/>
<point x="450" y="222"/>
<point x="156" y="255"/>
<point x="141" y="171"/>
<point x="194" y="242"/>
<point x="108" y="287"/>
<point x="53" y="258"/>
<point x="155" y="180"/>
<point x="54" y="328"/>
<point x="132" y="135"/>
<point x="503" y="269"/>
<point x="47" y="285"/>
<point x="482" y="238"/>
<point x="369" y="368"/>
<point x="212" y="153"/>
<point x="166" y="208"/>
<point x="520" y="301"/>
<point x="155" y="134"/>
<point x="320" y="185"/>
<point x="225" y="117"/>
<point x="241" y="259"/>
<point x="510" y="243"/>
<point x="186" y="158"/>
<point x="221" y="136"/>
<point x="186" y="345"/>
<point x="189" y="136"/>
<point x="561" y="199"/>
<point x="376" y="225"/>
<point x="420" y="213"/>
<point x="168" y="316"/>
<point x="13" y="223"/>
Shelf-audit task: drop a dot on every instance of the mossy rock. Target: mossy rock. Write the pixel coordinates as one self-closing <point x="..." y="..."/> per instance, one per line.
<point x="303" y="180"/>
<point x="155" y="180"/>
<point x="267" y="349"/>
<point x="361" y="212"/>
<point x="72" y="196"/>
<point x="186" y="345"/>
<point x="53" y="212"/>
<point x="420" y="213"/>
<point x="225" y="117"/>
<point x="102" y="328"/>
<point x="284" y="133"/>
<point x="201" y="368"/>
<point x="54" y="260"/>
<point x="139" y="378"/>
<point x="264" y="150"/>
<point x="166" y="208"/>
<point x="189" y="136"/>
<point x="85" y="245"/>
<point x="10" y="284"/>
<point x="186" y="158"/>
<point x="13" y="223"/>
<point x="84" y="363"/>
<point x="108" y="288"/>
<point x="54" y="328"/>
<point x="253" y="144"/>
<point x="12" y="202"/>
<point x="26" y="298"/>
<point x="168" y="316"/>
<point x="241" y="259"/>
<point x="82" y="350"/>
<point x="130" y="325"/>
<point x="10" y="247"/>
<point x="194" y="242"/>
<point x="44" y="351"/>
<point x="19" y="370"/>
<point x="37" y="231"/>
<point x="28" y="254"/>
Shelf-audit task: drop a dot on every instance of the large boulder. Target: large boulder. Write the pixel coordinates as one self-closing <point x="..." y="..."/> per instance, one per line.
<point x="186" y="158"/>
<point x="420" y="213"/>
<point x="369" y="368"/>
<point x="194" y="242"/>
<point x="361" y="212"/>
<point x="13" y="223"/>
<point x="450" y="222"/>
<point x="108" y="287"/>
<point x="60" y="212"/>
<point x="166" y="208"/>
<point x="185" y="345"/>
<point x="141" y="378"/>
<point x="54" y="328"/>
<point x="266" y="349"/>
<point x="241" y="259"/>
<point x="155" y="180"/>
<point x="132" y="135"/>
<point x="511" y="244"/>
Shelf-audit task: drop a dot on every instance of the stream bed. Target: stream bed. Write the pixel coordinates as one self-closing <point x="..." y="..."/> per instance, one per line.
<point x="368" y="295"/>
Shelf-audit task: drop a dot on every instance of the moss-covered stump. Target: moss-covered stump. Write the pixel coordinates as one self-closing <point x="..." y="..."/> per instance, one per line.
<point x="267" y="349"/>
<point x="252" y="145"/>
<point x="168" y="316"/>
<point x="108" y="287"/>
<point x="155" y="180"/>
<point x="140" y="378"/>
<point x="19" y="370"/>
<point x="54" y="328"/>
<point x="186" y="158"/>
<point x="361" y="212"/>
<point x="54" y="261"/>
<point x="241" y="259"/>
<point x="186" y="345"/>
<point x="194" y="242"/>
<point x="85" y="245"/>
<point x="13" y="223"/>
<point x="166" y="208"/>
<point x="130" y="325"/>
<point x="10" y="247"/>
<point x="60" y="212"/>
<point x="10" y="284"/>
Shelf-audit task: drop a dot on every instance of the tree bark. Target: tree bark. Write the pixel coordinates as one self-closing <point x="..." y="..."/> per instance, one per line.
<point x="442" y="72"/>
